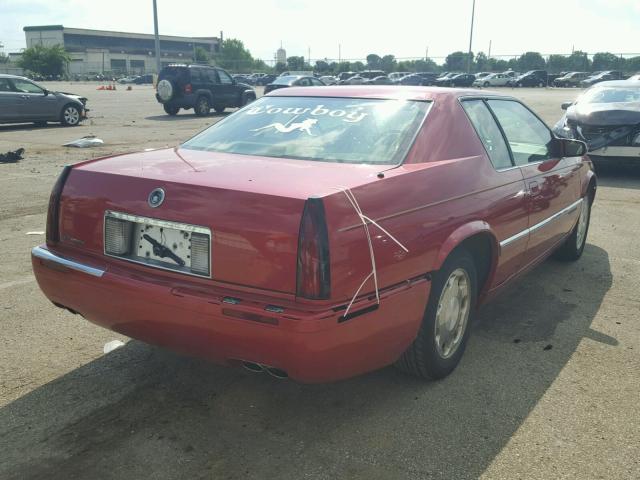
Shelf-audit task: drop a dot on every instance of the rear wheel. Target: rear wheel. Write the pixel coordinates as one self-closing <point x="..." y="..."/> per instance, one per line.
<point x="445" y="328"/>
<point x="541" y="84"/>
<point x="573" y="246"/>
<point x="70" y="116"/>
<point x="203" y="107"/>
<point x="247" y="99"/>
<point x="171" y="110"/>
<point x="486" y="84"/>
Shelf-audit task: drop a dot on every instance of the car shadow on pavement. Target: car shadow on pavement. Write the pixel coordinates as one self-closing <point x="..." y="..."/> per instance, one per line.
<point x="28" y="127"/>
<point x="143" y="412"/>
<point x="184" y="116"/>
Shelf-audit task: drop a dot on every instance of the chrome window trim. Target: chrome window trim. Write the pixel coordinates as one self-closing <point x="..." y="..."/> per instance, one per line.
<point x="44" y="254"/>
<point x="539" y="225"/>
<point x="159" y="223"/>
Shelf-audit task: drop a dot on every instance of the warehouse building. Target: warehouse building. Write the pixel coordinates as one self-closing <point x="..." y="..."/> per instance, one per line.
<point x="100" y="51"/>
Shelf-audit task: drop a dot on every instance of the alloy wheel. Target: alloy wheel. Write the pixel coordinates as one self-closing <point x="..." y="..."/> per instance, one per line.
<point x="452" y="313"/>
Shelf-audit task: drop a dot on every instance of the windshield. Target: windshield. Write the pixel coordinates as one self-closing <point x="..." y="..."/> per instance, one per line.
<point x="342" y="130"/>
<point x="611" y="95"/>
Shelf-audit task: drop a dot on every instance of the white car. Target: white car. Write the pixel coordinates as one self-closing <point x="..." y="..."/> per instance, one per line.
<point x="397" y="76"/>
<point x="329" y="80"/>
<point x="634" y="78"/>
<point x="492" y="80"/>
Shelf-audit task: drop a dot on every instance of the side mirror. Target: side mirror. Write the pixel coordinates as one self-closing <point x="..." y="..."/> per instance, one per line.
<point x="566" y="105"/>
<point x="572" y="148"/>
<point x="45" y="92"/>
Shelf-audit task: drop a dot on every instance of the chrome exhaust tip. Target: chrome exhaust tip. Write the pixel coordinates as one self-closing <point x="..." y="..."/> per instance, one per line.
<point x="277" y="373"/>
<point x="253" y="367"/>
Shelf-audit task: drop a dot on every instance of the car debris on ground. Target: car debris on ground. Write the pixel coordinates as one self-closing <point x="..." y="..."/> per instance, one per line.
<point x="12" y="156"/>
<point x="85" y="142"/>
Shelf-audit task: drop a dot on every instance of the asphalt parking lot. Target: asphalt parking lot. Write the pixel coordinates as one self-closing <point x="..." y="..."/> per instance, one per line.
<point x="548" y="388"/>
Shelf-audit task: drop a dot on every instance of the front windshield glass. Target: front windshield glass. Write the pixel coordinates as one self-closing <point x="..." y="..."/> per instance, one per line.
<point x="342" y="130"/>
<point x="611" y="95"/>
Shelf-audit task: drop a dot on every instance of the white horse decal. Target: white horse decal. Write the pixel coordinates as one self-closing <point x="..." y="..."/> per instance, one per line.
<point x="304" y="126"/>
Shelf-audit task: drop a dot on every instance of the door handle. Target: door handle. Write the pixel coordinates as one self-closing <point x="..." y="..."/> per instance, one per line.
<point x="26" y="97"/>
<point x="534" y="187"/>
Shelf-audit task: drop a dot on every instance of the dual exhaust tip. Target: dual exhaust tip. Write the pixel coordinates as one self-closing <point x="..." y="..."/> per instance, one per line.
<point x="259" y="368"/>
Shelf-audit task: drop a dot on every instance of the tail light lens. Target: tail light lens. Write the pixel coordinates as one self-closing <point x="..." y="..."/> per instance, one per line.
<point x="188" y="88"/>
<point x="313" y="272"/>
<point x="117" y="236"/>
<point x="53" y="212"/>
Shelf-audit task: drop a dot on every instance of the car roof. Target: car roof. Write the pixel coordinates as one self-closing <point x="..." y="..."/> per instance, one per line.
<point x="387" y="92"/>
<point x="7" y="75"/>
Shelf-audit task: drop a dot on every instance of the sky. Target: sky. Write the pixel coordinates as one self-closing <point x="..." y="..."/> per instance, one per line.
<point x="404" y="28"/>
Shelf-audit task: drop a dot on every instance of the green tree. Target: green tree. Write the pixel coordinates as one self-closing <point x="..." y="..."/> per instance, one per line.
<point x="482" y="62"/>
<point x="280" y="67"/>
<point x="201" y="55"/>
<point x="497" y="65"/>
<point x="531" y="61"/>
<point x="358" y="66"/>
<point x="373" y="61"/>
<point x="4" y="58"/>
<point x="633" y="64"/>
<point x="45" y="60"/>
<point x="558" y="63"/>
<point x="388" y="63"/>
<point x="295" y="63"/>
<point x="578" y="61"/>
<point x="321" y="66"/>
<point x="457" y="61"/>
<point x="234" y="56"/>
<point x="607" y="61"/>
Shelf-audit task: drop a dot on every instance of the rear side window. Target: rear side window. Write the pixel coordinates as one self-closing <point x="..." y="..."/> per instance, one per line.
<point x="224" y="77"/>
<point x="489" y="133"/>
<point x="530" y="140"/>
<point x="211" y="75"/>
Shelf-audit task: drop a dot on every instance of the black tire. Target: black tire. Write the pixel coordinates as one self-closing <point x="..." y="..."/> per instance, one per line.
<point x="486" y="84"/>
<point x="422" y="358"/>
<point x="171" y="110"/>
<point x="541" y="84"/>
<point x="202" y="106"/>
<point x="247" y="99"/>
<point x="219" y="108"/>
<point x="572" y="248"/>
<point x="70" y="115"/>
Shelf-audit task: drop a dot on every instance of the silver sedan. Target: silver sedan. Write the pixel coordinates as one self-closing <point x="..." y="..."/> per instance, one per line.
<point x="22" y="101"/>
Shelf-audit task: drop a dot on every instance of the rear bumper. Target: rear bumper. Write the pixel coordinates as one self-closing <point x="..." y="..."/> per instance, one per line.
<point x="311" y="346"/>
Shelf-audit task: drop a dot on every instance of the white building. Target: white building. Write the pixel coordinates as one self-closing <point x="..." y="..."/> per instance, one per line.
<point x="99" y="51"/>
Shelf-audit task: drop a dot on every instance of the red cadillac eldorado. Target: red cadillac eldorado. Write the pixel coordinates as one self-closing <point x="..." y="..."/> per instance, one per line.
<point x="319" y="233"/>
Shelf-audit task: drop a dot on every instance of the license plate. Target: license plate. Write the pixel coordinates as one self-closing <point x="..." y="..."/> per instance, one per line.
<point x="158" y="243"/>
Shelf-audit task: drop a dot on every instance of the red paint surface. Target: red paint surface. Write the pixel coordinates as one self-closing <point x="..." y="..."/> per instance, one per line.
<point x="445" y="192"/>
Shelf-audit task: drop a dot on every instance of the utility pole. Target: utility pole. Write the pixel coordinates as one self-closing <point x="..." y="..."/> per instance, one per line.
<point x="489" y="55"/>
<point x="473" y="13"/>
<point x="426" y="54"/>
<point x="339" y="53"/>
<point x="155" y="28"/>
<point x="309" y="55"/>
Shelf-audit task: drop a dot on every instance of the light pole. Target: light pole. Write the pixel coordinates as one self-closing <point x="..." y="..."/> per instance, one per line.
<point x="473" y="12"/>
<point x="155" y="28"/>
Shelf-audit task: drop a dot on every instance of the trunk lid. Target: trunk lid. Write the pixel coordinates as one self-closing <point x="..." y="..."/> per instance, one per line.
<point x="252" y="205"/>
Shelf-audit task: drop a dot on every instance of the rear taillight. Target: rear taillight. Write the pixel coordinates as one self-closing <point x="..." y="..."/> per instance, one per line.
<point x="188" y="88"/>
<point x="313" y="272"/>
<point x="53" y="213"/>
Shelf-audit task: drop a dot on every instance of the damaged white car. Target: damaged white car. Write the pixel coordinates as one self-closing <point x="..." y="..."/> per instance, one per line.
<point x="607" y="118"/>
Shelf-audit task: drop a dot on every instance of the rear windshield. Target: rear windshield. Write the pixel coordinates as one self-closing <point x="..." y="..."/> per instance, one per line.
<point x="284" y="80"/>
<point x="174" y="73"/>
<point x="342" y="130"/>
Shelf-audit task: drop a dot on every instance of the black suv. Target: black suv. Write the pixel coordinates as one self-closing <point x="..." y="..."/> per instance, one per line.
<point x="533" y="78"/>
<point x="200" y="87"/>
